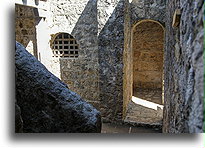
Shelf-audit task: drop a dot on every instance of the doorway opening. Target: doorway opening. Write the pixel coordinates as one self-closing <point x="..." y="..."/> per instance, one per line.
<point x="146" y="104"/>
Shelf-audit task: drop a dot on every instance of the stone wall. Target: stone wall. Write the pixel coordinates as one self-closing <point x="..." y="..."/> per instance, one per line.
<point x="148" y="44"/>
<point x="204" y="69"/>
<point x="147" y="62"/>
<point x="98" y="27"/>
<point x="110" y="48"/>
<point x="97" y="73"/>
<point x="138" y="12"/>
<point x="32" y="30"/>
<point x="78" y="18"/>
<point x="127" y="60"/>
<point x="148" y="9"/>
<point x="25" y="29"/>
<point x="184" y="71"/>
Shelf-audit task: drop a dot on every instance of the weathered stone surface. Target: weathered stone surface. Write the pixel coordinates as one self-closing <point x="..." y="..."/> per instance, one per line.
<point x="25" y="29"/>
<point x="18" y="120"/>
<point x="127" y="60"/>
<point x="143" y="58"/>
<point x="144" y="114"/>
<point x="148" y="39"/>
<point x="110" y="49"/>
<point x="78" y="18"/>
<point x="103" y="72"/>
<point x="184" y="70"/>
<point x="148" y="9"/>
<point x="47" y="105"/>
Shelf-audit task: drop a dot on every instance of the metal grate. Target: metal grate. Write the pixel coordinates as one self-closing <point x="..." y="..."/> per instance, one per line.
<point x="65" y="45"/>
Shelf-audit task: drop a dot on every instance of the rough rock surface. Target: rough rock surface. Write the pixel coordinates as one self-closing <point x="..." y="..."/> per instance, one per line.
<point x="148" y="9"/>
<point x="46" y="104"/>
<point x="18" y="120"/>
<point x="148" y="43"/>
<point x="140" y="114"/>
<point x="127" y="59"/>
<point x="184" y="70"/>
<point x="110" y="46"/>
<point x="103" y="72"/>
<point x="141" y="12"/>
<point x="25" y="29"/>
<point x="78" y="18"/>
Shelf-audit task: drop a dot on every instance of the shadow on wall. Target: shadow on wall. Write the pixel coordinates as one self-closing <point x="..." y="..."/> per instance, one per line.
<point x="87" y="23"/>
<point x="97" y="74"/>
<point x="82" y="72"/>
<point x="98" y="70"/>
<point x="110" y="51"/>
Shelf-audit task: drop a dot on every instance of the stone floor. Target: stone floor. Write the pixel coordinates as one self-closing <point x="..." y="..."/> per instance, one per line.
<point x="152" y="95"/>
<point x="145" y="107"/>
<point x="111" y="128"/>
<point x="140" y="114"/>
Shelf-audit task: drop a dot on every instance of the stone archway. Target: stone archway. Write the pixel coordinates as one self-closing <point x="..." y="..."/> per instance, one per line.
<point x="146" y="105"/>
<point x="147" y="44"/>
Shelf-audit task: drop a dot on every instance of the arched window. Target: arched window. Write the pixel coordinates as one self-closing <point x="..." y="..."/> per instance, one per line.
<point x="65" y="46"/>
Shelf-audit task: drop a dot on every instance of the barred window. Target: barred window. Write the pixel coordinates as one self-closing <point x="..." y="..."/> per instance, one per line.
<point x="65" y="46"/>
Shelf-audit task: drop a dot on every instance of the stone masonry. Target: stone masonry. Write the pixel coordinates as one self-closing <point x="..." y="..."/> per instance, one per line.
<point x="114" y="66"/>
<point x="143" y="68"/>
<point x="110" y="48"/>
<point x="148" y="9"/>
<point x="79" y="18"/>
<point x="148" y="43"/>
<point x="184" y="69"/>
<point x="25" y="28"/>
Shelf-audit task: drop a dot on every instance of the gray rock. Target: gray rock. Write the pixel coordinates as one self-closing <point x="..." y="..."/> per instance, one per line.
<point x="18" y="120"/>
<point x="184" y="69"/>
<point x="47" y="105"/>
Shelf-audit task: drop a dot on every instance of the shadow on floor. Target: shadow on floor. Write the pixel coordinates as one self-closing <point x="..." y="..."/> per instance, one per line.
<point x="111" y="128"/>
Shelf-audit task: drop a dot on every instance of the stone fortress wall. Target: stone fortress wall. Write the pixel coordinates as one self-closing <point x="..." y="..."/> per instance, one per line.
<point x="184" y="68"/>
<point x="102" y="73"/>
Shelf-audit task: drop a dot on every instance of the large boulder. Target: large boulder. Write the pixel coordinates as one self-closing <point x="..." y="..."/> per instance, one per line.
<point x="46" y="103"/>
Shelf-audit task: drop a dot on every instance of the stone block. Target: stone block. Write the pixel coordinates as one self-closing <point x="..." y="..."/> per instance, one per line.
<point x="46" y="103"/>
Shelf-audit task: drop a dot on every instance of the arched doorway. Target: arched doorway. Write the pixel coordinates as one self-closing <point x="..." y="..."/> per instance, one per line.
<point x="147" y="100"/>
<point x="147" y="45"/>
